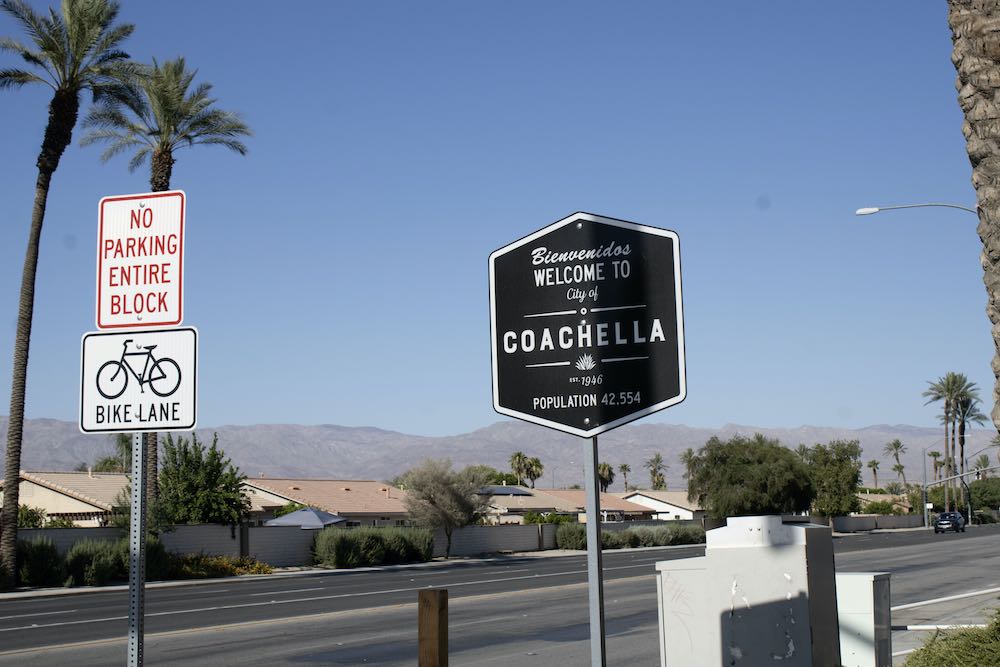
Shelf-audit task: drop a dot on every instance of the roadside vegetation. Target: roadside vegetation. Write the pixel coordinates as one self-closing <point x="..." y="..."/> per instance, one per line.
<point x="971" y="647"/>
<point x="103" y="562"/>
<point x="367" y="547"/>
<point x="573" y="536"/>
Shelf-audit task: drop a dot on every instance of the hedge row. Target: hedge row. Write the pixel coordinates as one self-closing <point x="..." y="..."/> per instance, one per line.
<point x="363" y="547"/>
<point x="574" y="536"/>
<point x="100" y="562"/>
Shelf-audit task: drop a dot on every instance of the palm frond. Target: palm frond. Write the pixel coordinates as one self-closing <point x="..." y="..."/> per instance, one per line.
<point x="15" y="78"/>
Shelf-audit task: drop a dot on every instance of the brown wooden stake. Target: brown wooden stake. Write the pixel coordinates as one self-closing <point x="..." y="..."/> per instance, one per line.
<point x="432" y="634"/>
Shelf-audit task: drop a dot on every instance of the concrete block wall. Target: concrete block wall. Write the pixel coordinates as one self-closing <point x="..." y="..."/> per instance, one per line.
<point x="475" y="540"/>
<point x="209" y="539"/>
<point x="282" y="546"/>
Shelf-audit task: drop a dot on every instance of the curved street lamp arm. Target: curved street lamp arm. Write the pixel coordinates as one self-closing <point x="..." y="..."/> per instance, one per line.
<point x="876" y="209"/>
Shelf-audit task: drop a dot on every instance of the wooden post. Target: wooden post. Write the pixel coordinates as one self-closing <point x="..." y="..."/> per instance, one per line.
<point x="432" y="634"/>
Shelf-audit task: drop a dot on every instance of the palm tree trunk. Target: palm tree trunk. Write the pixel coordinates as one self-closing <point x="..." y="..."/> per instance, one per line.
<point x="63" y="111"/>
<point x="947" y="423"/>
<point x="975" y="54"/>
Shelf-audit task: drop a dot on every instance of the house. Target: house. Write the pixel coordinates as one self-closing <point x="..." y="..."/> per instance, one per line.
<point x="85" y="498"/>
<point x="899" y="503"/>
<point x="667" y="505"/>
<point x="613" y="507"/>
<point x="361" y="502"/>
<point x="509" y="504"/>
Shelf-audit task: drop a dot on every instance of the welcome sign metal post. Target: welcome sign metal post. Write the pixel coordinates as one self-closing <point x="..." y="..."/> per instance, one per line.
<point x="142" y="376"/>
<point x="587" y="334"/>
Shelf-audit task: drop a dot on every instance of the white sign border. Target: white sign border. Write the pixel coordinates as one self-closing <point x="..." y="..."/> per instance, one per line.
<point x="681" y="354"/>
<point x="160" y="429"/>
<point x="100" y="237"/>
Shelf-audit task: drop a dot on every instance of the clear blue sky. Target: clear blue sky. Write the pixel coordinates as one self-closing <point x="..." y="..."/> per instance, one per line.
<point x="338" y="273"/>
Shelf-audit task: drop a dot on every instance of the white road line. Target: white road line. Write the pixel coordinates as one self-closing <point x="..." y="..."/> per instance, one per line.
<point x="906" y="652"/>
<point x="41" y="613"/>
<point x="945" y="599"/>
<point x="293" y="590"/>
<point x="317" y="598"/>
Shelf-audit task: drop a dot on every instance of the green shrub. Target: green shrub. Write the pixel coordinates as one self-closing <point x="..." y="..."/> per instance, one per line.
<point x="571" y="536"/>
<point x="100" y="562"/>
<point x="39" y="563"/>
<point x="536" y="517"/>
<point x="361" y="547"/>
<point x="971" y="646"/>
<point x="985" y="515"/>
<point x="203" y="566"/>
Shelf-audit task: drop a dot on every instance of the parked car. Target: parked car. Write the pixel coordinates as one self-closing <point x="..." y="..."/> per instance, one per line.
<point x="949" y="521"/>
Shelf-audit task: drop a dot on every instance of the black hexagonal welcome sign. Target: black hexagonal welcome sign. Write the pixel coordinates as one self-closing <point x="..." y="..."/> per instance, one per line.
<point x="586" y="324"/>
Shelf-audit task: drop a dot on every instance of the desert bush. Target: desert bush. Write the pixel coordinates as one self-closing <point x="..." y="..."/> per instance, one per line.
<point x="362" y="547"/>
<point x="536" y="517"/>
<point x="203" y="566"/>
<point x="971" y="646"/>
<point x="571" y="536"/>
<point x="100" y="562"/>
<point x="39" y="563"/>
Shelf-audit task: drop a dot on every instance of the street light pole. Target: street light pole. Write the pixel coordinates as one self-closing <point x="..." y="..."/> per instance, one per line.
<point x="876" y="209"/>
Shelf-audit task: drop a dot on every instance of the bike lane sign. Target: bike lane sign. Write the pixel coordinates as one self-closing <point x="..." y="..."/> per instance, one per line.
<point x="138" y="381"/>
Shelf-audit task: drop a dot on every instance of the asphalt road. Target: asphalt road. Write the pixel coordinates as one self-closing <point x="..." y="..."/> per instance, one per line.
<point x="530" y="610"/>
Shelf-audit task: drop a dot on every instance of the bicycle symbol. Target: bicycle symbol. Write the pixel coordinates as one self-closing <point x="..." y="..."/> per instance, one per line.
<point x="163" y="375"/>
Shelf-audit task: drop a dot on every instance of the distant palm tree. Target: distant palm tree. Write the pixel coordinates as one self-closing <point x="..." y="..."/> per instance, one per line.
<point x="534" y="469"/>
<point x="687" y="460"/>
<point x="901" y="471"/>
<point x="71" y="51"/>
<point x="519" y="466"/>
<point x="967" y="412"/>
<point x="121" y="460"/>
<point x="949" y="389"/>
<point x="981" y="464"/>
<point x="895" y="448"/>
<point x="656" y="468"/>
<point x="873" y="466"/>
<point x="625" y="469"/>
<point x="163" y="116"/>
<point x="935" y="455"/>
<point x="605" y="475"/>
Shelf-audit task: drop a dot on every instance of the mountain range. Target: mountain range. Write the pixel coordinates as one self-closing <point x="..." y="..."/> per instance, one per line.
<point x="339" y="452"/>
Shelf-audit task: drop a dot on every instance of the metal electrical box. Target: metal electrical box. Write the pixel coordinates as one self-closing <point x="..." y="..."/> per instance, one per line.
<point x="863" y="603"/>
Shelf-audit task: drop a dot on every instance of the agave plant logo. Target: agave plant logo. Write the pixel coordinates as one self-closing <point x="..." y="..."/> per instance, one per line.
<point x="585" y="363"/>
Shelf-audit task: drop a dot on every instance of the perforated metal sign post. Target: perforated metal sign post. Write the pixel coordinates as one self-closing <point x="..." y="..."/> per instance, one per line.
<point x="586" y="324"/>
<point x="587" y="334"/>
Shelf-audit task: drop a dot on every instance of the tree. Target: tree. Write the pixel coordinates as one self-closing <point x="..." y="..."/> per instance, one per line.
<point x="489" y="473"/>
<point x="873" y="466"/>
<point x="748" y="476"/>
<point x="518" y="466"/>
<point x="949" y="389"/>
<point x="288" y="508"/>
<point x="161" y="116"/>
<point x="894" y="448"/>
<point x="980" y="464"/>
<point x="986" y="493"/>
<point x="687" y="459"/>
<point x="835" y="471"/>
<point x="438" y="497"/>
<point x="901" y="471"/>
<point x="121" y="460"/>
<point x="975" y="56"/>
<point x="534" y="469"/>
<point x="935" y="455"/>
<point x="967" y="412"/>
<point x="656" y="468"/>
<point x="199" y="485"/>
<point x="625" y="469"/>
<point x="71" y="51"/>
<point x="605" y="475"/>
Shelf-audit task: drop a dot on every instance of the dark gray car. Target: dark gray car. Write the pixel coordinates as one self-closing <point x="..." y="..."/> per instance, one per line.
<point x="949" y="521"/>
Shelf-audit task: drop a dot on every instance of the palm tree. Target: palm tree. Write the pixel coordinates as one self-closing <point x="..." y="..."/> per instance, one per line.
<point x="625" y="469"/>
<point x="949" y="389"/>
<point x="687" y="460"/>
<point x="901" y="471"/>
<point x="935" y="455"/>
<point x="121" y="460"/>
<point x="605" y="475"/>
<point x="519" y="466"/>
<point x="533" y="469"/>
<point x="873" y="465"/>
<point x="967" y="412"/>
<point x="974" y="54"/>
<point x="894" y="448"/>
<point x="981" y="464"/>
<point x="164" y="115"/>
<point x="656" y="468"/>
<point x="71" y="51"/>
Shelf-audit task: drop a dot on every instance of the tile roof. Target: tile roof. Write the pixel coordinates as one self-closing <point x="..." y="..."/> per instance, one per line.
<point x="576" y="498"/>
<point x="676" y="498"/>
<point x="99" y="489"/>
<point x="338" y="496"/>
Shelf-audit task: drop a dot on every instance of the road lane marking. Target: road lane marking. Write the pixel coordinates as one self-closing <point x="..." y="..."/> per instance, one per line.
<point x="945" y="599"/>
<point x="41" y="613"/>
<point x="317" y="598"/>
<point x="294" y="590"/>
